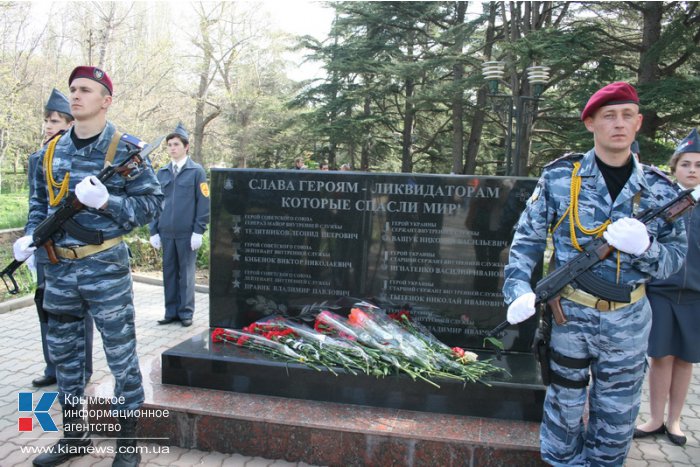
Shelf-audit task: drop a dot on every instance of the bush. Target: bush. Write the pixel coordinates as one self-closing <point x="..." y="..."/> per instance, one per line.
<point x="146" y="258"/>
<point x="143" y="256"/>
<point x="14" y="183"/>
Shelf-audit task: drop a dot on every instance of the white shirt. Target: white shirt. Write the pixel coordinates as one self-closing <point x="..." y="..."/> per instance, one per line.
<point x="177" y="166"/>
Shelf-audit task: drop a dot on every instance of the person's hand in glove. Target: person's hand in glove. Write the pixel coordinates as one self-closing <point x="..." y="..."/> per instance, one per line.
<point x="155" y="241"/>
<point x="521" y="308"/>
<point x="196" y="241"/>
<point x="628" y="235"/>
<point x="21" y="248"/>
<point x="91" y="192"/>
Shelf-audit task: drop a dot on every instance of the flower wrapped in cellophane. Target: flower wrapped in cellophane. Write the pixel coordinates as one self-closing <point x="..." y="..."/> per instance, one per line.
<point x="368" y="341"/>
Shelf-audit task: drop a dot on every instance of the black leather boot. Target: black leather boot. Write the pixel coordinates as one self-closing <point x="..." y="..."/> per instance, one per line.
<point x="75" y="441"/>
<point x="127" y="455"/>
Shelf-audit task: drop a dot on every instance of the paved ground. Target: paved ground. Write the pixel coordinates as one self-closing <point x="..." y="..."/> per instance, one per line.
<point x="21" y="361"/>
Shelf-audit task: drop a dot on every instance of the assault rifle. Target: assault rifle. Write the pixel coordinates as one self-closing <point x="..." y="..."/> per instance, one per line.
<point x="578" y="269"/>
<point x="70" y="206"/>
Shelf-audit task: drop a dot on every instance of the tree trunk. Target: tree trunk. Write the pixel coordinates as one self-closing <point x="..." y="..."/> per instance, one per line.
<point x="457" y="99"/>
<point x="477" y="125"/>
<point x="407" y="133"/>
<point x="649" y="70"/>
<point x="367" y="143"/>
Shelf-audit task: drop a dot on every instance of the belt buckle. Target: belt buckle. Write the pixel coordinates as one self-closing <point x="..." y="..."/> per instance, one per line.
<point x="603" y="305"/>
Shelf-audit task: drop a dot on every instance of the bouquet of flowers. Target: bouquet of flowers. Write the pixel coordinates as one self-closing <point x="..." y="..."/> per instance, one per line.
<point x="368" y="341"/>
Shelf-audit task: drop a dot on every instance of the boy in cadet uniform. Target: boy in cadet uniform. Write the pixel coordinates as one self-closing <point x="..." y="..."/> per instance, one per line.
<point x="57" y="118"/>
<point x="180" y="227"/>
<point x="580" y="197"/>
<point x="92" y="278"/>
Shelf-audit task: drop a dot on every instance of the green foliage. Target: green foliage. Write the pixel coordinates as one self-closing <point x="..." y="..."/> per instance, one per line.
<point x="143" y="256"/>
<point x="396" y="73"/>
<point x="13" y="210"/>
<point x="146" y="258"/>
<point x="26" y="280"/>
<point x="13" y="183"/>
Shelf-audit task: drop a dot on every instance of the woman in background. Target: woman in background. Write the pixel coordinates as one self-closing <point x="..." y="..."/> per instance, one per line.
<point x="675" y="303"/>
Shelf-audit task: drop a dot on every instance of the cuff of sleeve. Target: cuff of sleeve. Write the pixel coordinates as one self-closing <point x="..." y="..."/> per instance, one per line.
<point x="651" y="254"/>
<point x="113" y="203"/>
<point x="517" y="290"/>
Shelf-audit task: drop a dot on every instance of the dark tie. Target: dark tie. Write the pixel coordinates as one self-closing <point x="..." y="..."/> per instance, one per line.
<point x="176" y="170"/>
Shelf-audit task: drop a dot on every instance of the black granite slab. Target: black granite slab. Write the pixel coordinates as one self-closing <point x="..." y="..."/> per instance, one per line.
<point x="435" y="244"/>
<point x="199" y="362"/>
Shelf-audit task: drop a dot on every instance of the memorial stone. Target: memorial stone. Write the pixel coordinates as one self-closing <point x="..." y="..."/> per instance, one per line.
<point x="435" y="245"/>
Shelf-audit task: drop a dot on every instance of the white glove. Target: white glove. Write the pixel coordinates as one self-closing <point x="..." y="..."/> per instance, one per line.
<point x="522" y="308"/>
<point x="91" y="192"/>
<point x="155" y="241"/>
<point x="21" y="248"/>
<point x="628" y="235"/>
<point x="196" y="241"/>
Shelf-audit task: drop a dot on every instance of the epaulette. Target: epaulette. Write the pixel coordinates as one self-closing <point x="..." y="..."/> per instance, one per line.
<point x="652" y="169"/>
<point x="133" y="140"/>
<point x="569" y="156"/>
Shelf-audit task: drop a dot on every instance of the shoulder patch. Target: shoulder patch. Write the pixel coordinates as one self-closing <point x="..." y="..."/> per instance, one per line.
<point x="569" y="156"/>
<point x="653" y="170"/>
<point x="133" y="140"/>
<point x="204" y="188"/>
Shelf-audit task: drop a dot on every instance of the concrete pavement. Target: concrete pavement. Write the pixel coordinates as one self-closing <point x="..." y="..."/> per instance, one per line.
<point x="22" y="361"/>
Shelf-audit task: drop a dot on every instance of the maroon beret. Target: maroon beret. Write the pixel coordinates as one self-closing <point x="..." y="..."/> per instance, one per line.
<point x="612" y="94"/>
<point x="93" y="73"/>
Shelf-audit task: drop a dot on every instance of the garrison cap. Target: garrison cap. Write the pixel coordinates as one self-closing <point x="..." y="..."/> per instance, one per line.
<point x="180" y="131"/>
<point x="612" y="94"/>
<point x="58" y="102"/>
<point x="93" y="73"/>
<point x="691" y="143"/>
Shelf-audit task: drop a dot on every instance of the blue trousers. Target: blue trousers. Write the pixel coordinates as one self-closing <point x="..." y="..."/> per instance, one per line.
<point x="179" y="265"/>
<point x="99" y="285"/>
<point x="616" y="342"/>
<point x="50" y="369"/>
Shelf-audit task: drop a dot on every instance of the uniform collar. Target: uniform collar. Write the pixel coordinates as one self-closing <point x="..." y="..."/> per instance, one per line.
<point x="636" y="182"/>
<point x="179" y="165"/>
<point x="102" y="143"/>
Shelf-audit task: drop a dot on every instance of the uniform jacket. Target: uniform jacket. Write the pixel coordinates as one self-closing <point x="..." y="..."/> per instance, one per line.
<point x="132" y="202"/>
<point x="186" y="202"/>
<point x="685" y="284"/>
<point x="551" y="199"/>
<point x="33" y="164"/>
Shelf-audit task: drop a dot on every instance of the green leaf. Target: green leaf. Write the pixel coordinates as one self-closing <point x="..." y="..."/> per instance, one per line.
<point x="495" y="342"/>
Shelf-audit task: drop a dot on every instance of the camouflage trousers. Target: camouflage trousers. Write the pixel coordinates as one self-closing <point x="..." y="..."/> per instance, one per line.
<point x="616" y="342"/>
<point x="101" y="286"/>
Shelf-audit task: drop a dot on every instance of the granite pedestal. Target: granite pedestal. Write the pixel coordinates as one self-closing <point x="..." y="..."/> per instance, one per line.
<point x="326" y="433"/>
<point x="511" y="394"/>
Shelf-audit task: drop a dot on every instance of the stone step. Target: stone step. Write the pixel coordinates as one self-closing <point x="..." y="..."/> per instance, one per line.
<point x="325" y="433"/>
